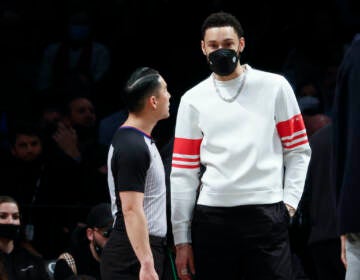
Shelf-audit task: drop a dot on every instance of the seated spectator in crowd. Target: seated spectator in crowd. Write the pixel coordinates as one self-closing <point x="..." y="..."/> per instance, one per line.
<point x="71" y="137"/>
<point x="47" y="188"/>
<point x="311" y="108"/>
<point x="21" y="172"/>
<point x="77" y="136"/>
<point x="16" y="262"/>
<point x="80" y="116"/>
<point x="83" y="256"/>
<point x="78" y="59"/>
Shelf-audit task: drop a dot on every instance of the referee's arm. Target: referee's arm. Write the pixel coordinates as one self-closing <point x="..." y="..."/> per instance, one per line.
<point x="137" y="231"/>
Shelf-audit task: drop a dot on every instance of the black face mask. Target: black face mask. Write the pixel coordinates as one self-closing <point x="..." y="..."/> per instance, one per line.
<point x="9" y="231"/>
<point x="223" y="61"/>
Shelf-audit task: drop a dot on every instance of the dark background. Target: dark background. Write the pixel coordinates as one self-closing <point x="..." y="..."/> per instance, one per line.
<point x="163" y="34"/>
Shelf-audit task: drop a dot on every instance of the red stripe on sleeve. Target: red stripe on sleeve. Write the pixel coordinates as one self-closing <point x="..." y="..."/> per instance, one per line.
<point x="187" y="146"/>
<point x="289" y="127"/>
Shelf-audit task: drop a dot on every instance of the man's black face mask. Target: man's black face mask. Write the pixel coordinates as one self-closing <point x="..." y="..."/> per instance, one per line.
<point x="223" y="61"/>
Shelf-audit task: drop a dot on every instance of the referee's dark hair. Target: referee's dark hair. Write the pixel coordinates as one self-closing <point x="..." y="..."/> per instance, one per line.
<point x="142" y="83"/>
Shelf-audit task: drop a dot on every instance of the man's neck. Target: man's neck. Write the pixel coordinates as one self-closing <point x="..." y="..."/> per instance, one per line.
<point x="140" y="122"/>
<point x="239" y="70"/>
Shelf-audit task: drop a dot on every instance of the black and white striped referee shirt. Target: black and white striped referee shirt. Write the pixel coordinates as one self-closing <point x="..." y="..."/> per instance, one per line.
<point x="134" y="164"/>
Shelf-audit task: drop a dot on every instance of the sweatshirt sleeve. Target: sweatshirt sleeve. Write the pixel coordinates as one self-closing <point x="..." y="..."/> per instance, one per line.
<point x="296" y="149"/>
<point x="185" y="171"/>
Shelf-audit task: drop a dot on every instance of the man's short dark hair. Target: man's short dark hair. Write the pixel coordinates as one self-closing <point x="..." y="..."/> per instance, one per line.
<point x="142" y="82"/>
<point x="24" y="128"/>
<point x="221" y="19"/>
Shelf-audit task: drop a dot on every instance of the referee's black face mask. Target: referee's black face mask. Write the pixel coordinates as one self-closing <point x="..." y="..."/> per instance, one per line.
<point x="223" y="61"/>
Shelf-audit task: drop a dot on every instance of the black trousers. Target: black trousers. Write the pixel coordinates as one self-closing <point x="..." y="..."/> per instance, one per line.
<point x="119" y="262"/>
<point x="243" y="242"/>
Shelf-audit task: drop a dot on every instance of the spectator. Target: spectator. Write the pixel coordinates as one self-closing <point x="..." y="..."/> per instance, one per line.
<point x="319" y="205"/>
<point x="346" y="136"/>
<point x="77" y="60"/>
<point x="83" y="257"/>
<point x="38" y="180"/>
<point x="77" y="136"/>
<point x="16" y="262"/>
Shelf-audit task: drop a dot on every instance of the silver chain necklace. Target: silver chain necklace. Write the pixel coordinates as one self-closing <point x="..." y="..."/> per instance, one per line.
<point x="230" y="99"/>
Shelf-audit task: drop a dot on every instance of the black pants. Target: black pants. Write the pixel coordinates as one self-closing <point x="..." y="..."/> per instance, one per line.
<point x="243" y="242"/>
<point x="119" y="262"/>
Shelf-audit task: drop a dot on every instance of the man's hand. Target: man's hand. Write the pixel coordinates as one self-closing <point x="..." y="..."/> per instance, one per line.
<point x="66" y="138"/>
<point x="343" y="250"/>
<point x="290" y="209"/>
<point x="184" y="261"/>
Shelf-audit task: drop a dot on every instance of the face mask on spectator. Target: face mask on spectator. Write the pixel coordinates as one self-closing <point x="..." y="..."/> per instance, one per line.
<point x="9" y="231"/>
<point x="79" y="32"/>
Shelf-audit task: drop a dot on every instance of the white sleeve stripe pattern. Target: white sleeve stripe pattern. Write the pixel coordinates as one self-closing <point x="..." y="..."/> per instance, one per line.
<point x="185" y="163"/>
<point x="293" y="136"/>
<point x="186" y="156"/>
<point x="287" y="144"/>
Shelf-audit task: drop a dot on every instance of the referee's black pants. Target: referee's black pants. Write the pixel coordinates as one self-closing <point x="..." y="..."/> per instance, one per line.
<point x="247" y="242"/>
<point x="119" y="262"/>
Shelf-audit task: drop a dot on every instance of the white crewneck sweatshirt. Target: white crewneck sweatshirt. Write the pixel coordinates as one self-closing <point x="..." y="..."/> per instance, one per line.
<point x="255" y="149"/>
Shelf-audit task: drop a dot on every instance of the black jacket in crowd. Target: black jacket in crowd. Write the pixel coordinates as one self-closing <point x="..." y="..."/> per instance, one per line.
<point x="20" y="264"/>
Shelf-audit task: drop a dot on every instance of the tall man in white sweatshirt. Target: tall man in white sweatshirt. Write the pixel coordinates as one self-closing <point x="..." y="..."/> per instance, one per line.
<point x="245" y="127"/>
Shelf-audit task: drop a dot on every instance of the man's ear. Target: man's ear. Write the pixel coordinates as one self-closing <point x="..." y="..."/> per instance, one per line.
<point x="153" y="101"/>
<point x="90" y="234"/>
<point x="241" y="44"/>
<point x="203" y="47"/>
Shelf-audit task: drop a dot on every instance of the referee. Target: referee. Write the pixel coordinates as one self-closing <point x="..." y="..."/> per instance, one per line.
<point x="136" y="180"/>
